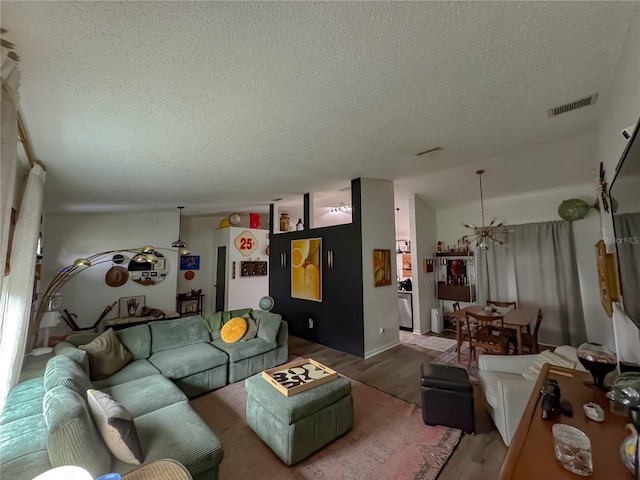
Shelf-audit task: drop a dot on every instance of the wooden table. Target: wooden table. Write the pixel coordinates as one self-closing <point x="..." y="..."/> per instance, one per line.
<point x="531" y="454"/>
<point x="516" y="319"/>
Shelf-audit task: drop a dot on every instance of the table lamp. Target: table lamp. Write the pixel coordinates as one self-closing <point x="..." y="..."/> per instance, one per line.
<point x="68" y="472"/>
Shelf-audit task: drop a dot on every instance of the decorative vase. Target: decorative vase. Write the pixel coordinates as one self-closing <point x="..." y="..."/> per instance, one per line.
<point x="598" y="360"/>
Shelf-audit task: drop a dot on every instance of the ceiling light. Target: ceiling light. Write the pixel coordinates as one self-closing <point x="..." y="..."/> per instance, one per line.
<point x="179" y="243"/>
<point x="484" y="236"/>
<point x="341" y="209"/>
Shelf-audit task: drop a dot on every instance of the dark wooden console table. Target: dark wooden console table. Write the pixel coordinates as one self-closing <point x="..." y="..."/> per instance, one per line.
<point x="531" y="454"/>
<point x="189" y="305"/>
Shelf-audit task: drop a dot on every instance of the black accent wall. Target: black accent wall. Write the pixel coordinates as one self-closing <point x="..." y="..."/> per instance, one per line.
<point x="339" y="319"/>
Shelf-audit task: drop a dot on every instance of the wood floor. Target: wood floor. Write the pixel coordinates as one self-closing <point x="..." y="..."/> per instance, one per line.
<point x="397" y="372"/>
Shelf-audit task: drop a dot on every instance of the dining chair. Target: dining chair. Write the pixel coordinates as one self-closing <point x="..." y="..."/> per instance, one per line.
<point x="481" y="335"/>
<point x="529" y="340"/>
<point x="495" y="303"/>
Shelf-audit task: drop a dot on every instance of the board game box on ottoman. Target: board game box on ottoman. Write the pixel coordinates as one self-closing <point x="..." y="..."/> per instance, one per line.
<point x="296" y="426"/>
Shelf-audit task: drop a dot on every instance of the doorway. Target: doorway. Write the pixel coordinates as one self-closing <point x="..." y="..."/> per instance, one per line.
<point x="221" y="276"/>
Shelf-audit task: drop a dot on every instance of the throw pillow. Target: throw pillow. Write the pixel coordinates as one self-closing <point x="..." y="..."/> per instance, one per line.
<point x="252" y="330"/>
<point x="116" y="426"/>
<point x="268" y="324"/>
<point x="233" y="330"/>
<point x="106" y="355"/>
<point x="533" y="370"/>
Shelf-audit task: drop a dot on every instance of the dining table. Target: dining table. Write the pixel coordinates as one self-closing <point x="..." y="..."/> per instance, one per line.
<point x="512" y="318"/>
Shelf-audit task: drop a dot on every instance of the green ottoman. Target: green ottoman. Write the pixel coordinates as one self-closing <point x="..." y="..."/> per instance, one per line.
<point x="295" y="427"/>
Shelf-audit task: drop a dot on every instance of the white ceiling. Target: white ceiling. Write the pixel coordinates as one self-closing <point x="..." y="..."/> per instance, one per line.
<point x="226" y="106"/>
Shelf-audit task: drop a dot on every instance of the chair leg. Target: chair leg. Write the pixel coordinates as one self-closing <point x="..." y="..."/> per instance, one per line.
<point x="472" y="349"/>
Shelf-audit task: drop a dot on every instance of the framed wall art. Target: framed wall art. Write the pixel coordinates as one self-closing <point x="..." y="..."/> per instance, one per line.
<point x="306" y="269"/>
<point x="381" y="267"/>
<point x="130" y="306"/>
<point x="190" y="262"/>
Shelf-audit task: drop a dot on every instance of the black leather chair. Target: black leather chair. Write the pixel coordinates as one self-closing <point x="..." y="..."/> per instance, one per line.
<point x="447" y="397"/>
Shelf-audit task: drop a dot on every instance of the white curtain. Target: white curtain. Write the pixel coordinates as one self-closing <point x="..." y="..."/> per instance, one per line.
<point x="17" y="287"/>
<point x="9" y="152"/>
<point x="537" y="268"/>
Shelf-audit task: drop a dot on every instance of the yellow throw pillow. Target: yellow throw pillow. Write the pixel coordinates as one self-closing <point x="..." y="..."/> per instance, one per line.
<point x="233" y="330"/>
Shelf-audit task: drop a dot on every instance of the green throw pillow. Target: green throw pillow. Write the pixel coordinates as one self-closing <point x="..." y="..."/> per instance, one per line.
<point x="268" y="324"/>
<point x="213" y="321"/>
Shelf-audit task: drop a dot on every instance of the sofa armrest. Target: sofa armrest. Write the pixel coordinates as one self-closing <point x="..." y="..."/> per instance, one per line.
<point x="283" y="334"/>
<point x="505" y="363"/>
<point x="515" y="393"/>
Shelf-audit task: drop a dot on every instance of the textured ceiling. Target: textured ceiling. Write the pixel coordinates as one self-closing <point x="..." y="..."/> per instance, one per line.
<point x="226" y="106"/>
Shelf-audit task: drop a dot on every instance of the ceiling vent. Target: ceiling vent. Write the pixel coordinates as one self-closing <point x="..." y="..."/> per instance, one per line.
<point x="431" y="150"/>
<point x="567" y="107"/>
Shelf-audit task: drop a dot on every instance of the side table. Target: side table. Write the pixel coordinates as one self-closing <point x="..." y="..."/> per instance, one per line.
<point x="187" y="306"/>
<point x="159" y="470"/>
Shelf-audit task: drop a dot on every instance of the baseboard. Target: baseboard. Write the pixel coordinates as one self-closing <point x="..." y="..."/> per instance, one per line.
<point x="379" y="350"/>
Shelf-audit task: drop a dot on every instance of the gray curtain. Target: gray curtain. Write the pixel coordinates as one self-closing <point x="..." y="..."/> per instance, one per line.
<point x="627" y="226"/>
<point x="537" y="268"/>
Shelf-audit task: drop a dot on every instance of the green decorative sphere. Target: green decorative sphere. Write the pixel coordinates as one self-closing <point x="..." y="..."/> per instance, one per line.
<point x="266" y="303"/>
<point x="573" y="209"/>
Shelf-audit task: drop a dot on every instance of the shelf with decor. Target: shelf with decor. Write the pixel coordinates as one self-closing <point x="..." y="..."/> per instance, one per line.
<point x="456" y="277"/>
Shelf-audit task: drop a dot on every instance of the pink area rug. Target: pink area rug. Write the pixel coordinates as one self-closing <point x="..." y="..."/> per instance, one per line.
<point x="389" y="440"/>
<point x="450" y="357"/>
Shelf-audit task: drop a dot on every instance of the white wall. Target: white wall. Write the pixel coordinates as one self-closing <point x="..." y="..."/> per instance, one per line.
<point x="542" y="206"/>
<point x="424" y="236"/>
<point x="380" y="304"/>
<point x="197" y="233"/>
<point x="67" y="237"/>
<point x="241" y="292"/>
<point x="619" y="108"/>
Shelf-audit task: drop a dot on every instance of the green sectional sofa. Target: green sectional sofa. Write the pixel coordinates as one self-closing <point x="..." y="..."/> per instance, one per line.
<point x="46" y="421"/>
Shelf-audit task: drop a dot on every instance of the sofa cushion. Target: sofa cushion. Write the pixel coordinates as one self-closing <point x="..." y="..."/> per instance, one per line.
<point x="241" y="350"/>
<point x="137" y="340"/>
<point x="228" y="315"/>
<point x="233" y="330"/>
<point x="176" y="432"/>
<point x="22" y="436"/>
<point x="213" y="321"/>
<point x="116" y="426"/>
<point x="61" y="370"/>
<point x="133" y="370"/>
<point x="78" y="339"/>
<point x="170" y="334"/>
<point x="74" y="353"/>
<point x="187" y="360"/>
<point x="146" y="394"/>
<point x="72" y="436"/>
<point x="24" y="400"/>
<point x="268" y="324"/>
<point x="106" y="355"/>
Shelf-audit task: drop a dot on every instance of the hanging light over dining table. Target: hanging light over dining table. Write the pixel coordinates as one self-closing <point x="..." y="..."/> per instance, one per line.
<point x="484" y="236"/>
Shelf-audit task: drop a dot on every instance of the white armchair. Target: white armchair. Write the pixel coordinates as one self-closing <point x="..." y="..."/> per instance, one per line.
<point x="506" y="391"/>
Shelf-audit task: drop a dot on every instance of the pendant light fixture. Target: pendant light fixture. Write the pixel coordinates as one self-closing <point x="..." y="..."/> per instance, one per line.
<point x="179" y="243"/>
<point x="484" y="236"/>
